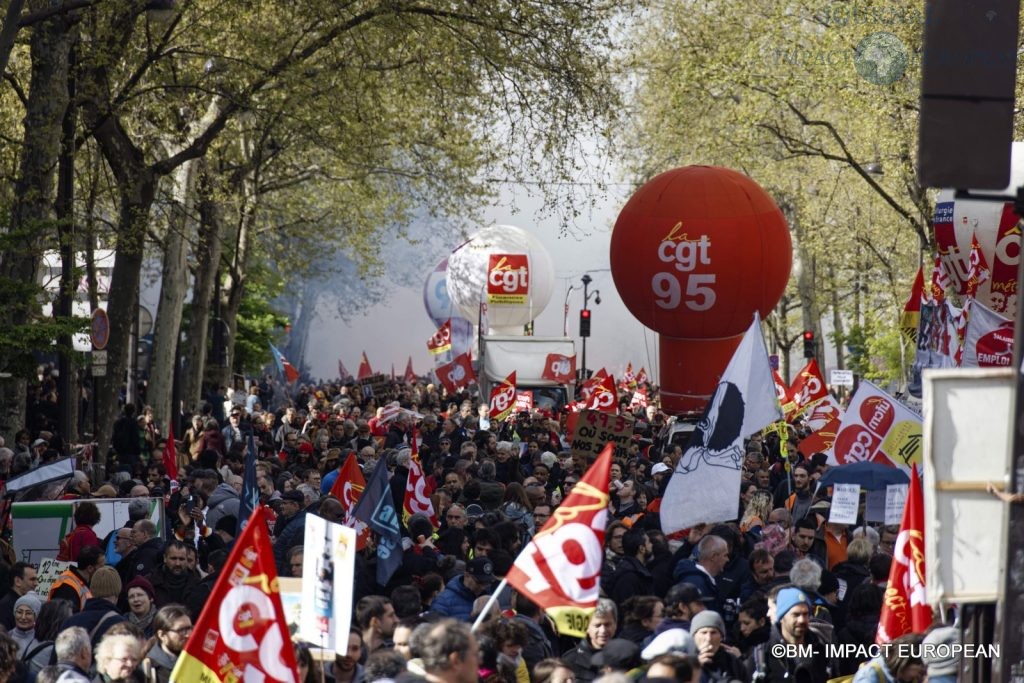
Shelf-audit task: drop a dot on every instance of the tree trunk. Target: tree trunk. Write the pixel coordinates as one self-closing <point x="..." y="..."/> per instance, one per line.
<point x="172" y="295"/>
<point x="837" y="320"/>
<point x="208" y="250"/>
<point x="31" y="219"/>
<point x="123" y="302"/>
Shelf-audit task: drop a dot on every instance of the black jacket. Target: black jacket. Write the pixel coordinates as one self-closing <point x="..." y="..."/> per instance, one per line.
<point x="784" y="669"/>
<point x="578" y="660"/>
<point x="631" y="578"/>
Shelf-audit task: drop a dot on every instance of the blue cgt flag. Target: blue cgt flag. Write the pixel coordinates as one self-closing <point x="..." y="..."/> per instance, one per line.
<point x="377" y="509"/>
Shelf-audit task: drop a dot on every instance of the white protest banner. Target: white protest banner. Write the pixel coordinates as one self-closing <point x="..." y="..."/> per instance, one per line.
<point x="328" y="574"/>
<point x="845" y="501"/>
<point x="895" y="501"/>
<point x="49" y="570"/>
<point x="842" y="378"/>
<point x="874" y="508"/>
<point x="879" y="428"/>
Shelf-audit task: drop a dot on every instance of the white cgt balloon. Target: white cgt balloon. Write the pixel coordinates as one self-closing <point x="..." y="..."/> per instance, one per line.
<point x="468" y="277"/>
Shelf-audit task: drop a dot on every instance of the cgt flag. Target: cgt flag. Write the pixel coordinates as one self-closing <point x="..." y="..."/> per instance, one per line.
<point x="241" y="634"/>
<point x="808" y="387"/>
<point x="560" y="569"/>
<point x="705" y="483"/>
<point x="347" y="488"/>
<point x="410" y="374"/>
<point x="170" y="459"/>
<point x="457" y="374"/>
<point x="417" y="498"/>
<point x="441" y="341"/>
<point x="604" y="397"/>
<point x="503" y="398"/>
<point x="377" y="509"/>
<point x="904" y="608"/>
<point x="559" y="368"/>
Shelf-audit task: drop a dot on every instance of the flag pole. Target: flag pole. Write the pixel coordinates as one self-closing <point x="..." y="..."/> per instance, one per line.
<point x="490" y="603"/>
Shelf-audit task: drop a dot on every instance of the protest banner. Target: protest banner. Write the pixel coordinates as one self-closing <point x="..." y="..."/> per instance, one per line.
<point x="595" y="428"/>
<point x="878" y="427"/>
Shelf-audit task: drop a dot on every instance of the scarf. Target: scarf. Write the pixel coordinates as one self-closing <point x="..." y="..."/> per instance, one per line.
<point x="143" y="622"/>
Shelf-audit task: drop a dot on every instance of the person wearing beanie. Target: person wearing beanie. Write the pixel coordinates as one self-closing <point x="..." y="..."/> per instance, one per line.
<point x="26" y="611"/>
<point x="792" y="627"/>
<point x="141" y="604"/>
<point x="718" y="664"/>
<point x="100" y="611"/>
<point x="940" y="656"/>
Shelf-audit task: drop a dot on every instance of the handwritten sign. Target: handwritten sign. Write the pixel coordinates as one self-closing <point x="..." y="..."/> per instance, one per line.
<point x="845" y="501"/>
<point x="594" y="429"/>
<point x="895" y="500"/>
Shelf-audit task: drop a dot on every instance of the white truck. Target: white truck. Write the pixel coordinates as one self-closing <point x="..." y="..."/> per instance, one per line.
<point x="500" y="355"/>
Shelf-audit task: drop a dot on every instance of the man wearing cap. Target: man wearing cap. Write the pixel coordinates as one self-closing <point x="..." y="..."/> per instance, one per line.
<point x="661" y="473"/>
<point x="456" y="600"/>
<point x="717" y="663"/>
<point x="682" y="602"/>
<point x="792" y="618"/>
<point x="290" y="523"/>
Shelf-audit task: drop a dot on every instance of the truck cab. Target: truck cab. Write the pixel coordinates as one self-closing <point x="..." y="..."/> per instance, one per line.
<point x="501" y="354"/>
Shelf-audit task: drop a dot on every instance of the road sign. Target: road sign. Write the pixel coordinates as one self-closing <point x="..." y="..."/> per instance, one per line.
<point x="99" y="330"/>
<point x="842" y="378"/>
<point x="99" y="371"/>
<point x="99" y="357"/>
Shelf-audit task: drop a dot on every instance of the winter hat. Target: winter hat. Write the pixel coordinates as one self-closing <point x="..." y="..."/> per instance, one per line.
<point x="787" y="599"/>
<point x="707" y="619"/>
<point x="30" y="600"/>
<point x="940" y="652"/>
<point x="105" y="583"/>
<point x="142" y="583"/>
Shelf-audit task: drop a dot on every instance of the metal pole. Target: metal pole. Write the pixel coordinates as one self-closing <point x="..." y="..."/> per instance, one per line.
<point x="583" y="371"/>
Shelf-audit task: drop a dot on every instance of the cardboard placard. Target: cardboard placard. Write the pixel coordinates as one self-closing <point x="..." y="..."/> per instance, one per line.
<point x="377" y="385"/>
<point x="845" y="501"/>
<point x="594" y="429"/>
<point x="49" y="570"/>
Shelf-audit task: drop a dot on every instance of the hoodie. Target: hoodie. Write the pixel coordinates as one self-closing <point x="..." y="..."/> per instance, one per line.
<point x="224" y="501"/>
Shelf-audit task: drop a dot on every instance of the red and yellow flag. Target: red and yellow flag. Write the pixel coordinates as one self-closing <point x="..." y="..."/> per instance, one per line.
<point x="364" y="368"/>
<point x="503" y="398"/>
<point x="441" y="341"/>
<point x="808" y="387"/>
<point x="905" y="608"/>
<point x="560" y="570"/>
<point x="242" y="634"/>
<point x="347" y="488"/>
<point x="417" y="498"/>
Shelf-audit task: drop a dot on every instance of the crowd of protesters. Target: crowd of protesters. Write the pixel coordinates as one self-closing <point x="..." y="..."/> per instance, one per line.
<point x="707" y="604"/>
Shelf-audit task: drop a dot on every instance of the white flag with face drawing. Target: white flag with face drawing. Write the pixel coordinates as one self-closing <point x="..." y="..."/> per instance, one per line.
<point x="706" y="482"/>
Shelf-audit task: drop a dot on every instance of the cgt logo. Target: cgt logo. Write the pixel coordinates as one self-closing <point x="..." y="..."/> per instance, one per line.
<point x="508" y="274"/>
<point x="456" y="374"/>
<point x="561" y="367"/>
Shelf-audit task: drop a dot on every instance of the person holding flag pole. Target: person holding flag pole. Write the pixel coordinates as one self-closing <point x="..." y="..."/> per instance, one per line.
<point x="560" y="568"/>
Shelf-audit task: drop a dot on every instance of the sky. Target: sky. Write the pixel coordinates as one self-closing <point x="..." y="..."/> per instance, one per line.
<point x="393" y="331"/>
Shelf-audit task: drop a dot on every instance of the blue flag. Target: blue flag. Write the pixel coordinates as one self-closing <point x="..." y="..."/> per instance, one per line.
<point x="250" y="496"/>
<point x="377" y="510"/>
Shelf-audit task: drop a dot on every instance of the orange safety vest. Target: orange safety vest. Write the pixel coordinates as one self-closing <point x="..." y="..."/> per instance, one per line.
<point x="70" y="578"/>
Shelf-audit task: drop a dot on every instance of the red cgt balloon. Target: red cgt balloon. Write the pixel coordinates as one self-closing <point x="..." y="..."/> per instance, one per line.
<point x="694" y="253"/>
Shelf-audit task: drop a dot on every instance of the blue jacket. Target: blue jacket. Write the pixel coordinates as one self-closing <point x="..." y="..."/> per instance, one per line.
<point x="454" y="601"/>
<point x="293" y="534"/>
<point x="688" y="571"/>
<point x="91" y="616"/>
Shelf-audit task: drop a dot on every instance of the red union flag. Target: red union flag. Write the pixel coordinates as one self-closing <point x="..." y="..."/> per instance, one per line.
<point x="604" y="397"/>
<point x="559" y="368"/>
<point x="782" y="391"/>
<point x="417" y="498"/>
<point x="457" y="374"/>
<point x="905" y="608"/>
<point x="503" y="398"/>
<point x="410" y="374"/>
<point x="820" y="441"/>
<point x="364" y="368"/>
<point x="347" y="488"/>
<point x="508" y="278"/>
<point x="441" y="342"/>
<point x="823" y="412"/>
<point x="641" y="377"/>
<point x="524" y="401"/>
<point x="241" y="634"/>
<point x="808" y="387"/>
<point x="639" y="399"/>
<point x="560" y="569"/>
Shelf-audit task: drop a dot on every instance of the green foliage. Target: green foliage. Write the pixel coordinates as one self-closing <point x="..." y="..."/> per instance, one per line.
<point x="258" y="322"/>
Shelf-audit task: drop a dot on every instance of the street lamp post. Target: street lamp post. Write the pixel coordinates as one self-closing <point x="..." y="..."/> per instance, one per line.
<point x="565" y="308"/>
<point x="586" y="280"/>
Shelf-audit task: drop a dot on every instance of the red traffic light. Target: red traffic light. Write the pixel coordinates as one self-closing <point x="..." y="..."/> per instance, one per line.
<point x="585" y="313"/>
<point x="808" y="335"/>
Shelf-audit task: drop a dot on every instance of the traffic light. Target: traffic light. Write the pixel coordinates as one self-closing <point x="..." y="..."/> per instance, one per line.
<point x="585" y="322"/>
<point x="808" y="344"/>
